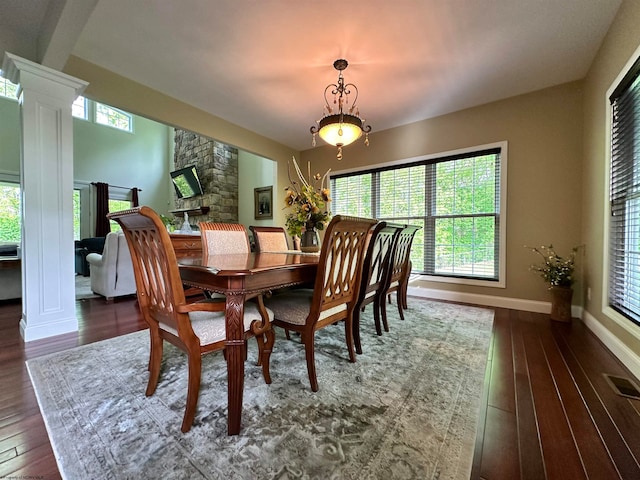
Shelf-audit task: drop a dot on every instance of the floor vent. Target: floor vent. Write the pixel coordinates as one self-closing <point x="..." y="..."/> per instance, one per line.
<point x="623" y="386"/>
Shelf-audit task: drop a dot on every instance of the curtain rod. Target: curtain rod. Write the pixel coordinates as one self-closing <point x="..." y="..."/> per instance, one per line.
<point x="118" y="186"/>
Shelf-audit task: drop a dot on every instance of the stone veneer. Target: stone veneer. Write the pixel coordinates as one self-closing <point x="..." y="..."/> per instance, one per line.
<point x="217" y="167"/>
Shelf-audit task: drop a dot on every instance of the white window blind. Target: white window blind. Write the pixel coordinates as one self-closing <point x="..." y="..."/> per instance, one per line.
<point x="624" y="225"/>
<point x="455" y="200"/>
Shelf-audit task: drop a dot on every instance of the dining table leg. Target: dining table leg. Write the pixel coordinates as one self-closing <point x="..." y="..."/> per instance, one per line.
<point x="235" y="352"/>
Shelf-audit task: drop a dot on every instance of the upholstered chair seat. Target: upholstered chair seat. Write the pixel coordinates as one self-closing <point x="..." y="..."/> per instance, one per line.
<point x="209" y="327"/>
<point x="293" y="307"/>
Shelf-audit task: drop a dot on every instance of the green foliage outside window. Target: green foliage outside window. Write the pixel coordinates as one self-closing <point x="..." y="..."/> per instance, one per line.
<point x="8" y="89"/>
<point x="10" y="208"/>
<point x="114" y="118"/>
<point x="116" y="206"/>
<point x="10" y="220"/>
<point x="454" y="200"/>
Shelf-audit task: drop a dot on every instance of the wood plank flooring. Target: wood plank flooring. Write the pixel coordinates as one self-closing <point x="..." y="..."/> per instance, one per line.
<point x="547" y="410"/>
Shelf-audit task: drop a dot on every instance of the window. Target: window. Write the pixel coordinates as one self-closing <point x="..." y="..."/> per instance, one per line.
<point x="456" y="199"/>
<point x="10" y="227"/>
<point x="116" y="205"/>
<point x="76" y="214"/>
<point x="624" y="197"/>
<point x="113" y="117"/>
<point x="102" y="114"/>
<point x="79" y="108"/>
<point x="8" y="89"/>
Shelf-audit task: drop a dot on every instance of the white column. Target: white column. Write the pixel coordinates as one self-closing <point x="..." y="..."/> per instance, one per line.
<point x="46" y="181"/>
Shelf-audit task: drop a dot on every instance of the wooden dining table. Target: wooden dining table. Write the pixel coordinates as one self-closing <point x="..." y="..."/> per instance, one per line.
<point x="240" y="278"/>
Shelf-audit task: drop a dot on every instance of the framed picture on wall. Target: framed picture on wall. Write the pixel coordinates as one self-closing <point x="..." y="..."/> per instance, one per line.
<point x="263" y="197"/>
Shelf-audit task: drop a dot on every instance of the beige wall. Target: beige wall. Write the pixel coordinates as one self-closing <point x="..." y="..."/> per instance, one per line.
<point x="544" y="135"/>
<point x="619" y="45"/>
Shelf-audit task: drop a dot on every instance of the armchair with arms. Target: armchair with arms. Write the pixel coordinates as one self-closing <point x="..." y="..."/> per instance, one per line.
<point x="83" y="248"/>
<point x="196" y="328"/>
<point x="112" y="271"/>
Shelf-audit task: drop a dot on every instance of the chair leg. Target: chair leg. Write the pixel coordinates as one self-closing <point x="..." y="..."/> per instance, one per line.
<point x="348" y="332"/>
<point x="265" y="347"/>
<point x="356" y="330"/>
<point x="155" y="360"/>
<point x="309" y="348"/>
<point x="193" y="390"/>
<point x="405" y="286"/>
<point x="404" y="296"/>
<point x="399" y="302"/>
<point x="378" y="306"/>
<point x="383" y="310"/>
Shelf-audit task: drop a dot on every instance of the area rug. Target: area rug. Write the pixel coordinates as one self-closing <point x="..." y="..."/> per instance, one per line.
<point x="83" y="288"/>
<point x="407" y="409"/>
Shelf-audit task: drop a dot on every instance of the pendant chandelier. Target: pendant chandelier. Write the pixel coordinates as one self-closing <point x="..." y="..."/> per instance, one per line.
<point x="344" y="126"/>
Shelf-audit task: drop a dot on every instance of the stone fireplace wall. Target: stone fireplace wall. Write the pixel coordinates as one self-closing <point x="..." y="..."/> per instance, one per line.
<point x="217" y="167"/>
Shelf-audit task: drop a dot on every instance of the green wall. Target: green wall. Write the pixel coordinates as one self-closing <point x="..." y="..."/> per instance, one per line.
<point x="9" y="136"/>
<point x="103" y="154"/>
<point x="139" y="159"/>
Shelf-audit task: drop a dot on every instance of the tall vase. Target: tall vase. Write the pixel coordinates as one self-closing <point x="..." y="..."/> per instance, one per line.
<point x="561" y="303"/>
<point x="310" y="241"/>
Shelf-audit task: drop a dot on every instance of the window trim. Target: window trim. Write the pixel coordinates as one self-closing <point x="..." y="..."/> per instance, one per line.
<point x="502" y="230"/>
<point x="628" y="325"/>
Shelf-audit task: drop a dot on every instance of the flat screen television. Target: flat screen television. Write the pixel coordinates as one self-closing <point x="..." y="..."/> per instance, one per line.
<point x="186" y="182"/>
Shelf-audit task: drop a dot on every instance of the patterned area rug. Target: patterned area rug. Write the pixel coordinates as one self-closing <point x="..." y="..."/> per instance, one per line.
<point x="83" y="288"/>
<point x="407" y="409"/>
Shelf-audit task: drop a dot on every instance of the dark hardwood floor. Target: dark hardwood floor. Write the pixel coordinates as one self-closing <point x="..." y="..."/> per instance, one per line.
<point x="547" y="411"/>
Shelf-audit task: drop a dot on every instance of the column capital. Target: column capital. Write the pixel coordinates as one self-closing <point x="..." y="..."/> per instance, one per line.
<point x="14" y="66"/>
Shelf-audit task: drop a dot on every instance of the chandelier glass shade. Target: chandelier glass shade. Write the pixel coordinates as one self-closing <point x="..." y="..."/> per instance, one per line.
<point x="340" y="128"/>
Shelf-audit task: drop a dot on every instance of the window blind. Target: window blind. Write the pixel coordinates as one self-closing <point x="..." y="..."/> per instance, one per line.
<point x="454" y="199"/>
<point x="624" y="198"/>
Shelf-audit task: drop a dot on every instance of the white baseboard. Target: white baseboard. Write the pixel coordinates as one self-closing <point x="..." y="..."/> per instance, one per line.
<point x="488" y="300"/>
<point x="627" y="356"/>
<point x="30" y="332"/>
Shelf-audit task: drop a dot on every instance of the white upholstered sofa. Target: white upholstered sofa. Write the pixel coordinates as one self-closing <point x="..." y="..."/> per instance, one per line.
<point x="112" y="272"/>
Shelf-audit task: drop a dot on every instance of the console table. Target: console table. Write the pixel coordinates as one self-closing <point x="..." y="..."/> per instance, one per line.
<point x="186" y="246"/>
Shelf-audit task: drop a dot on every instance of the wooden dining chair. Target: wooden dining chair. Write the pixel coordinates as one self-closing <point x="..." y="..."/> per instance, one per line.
<point x="335" y="291"/>
<point x="398" y="278"/>
<point x="375" y="271"/>
<point x="196" y="328"/>
<point x="223" y="239"/>
<point x="269" y="239"/>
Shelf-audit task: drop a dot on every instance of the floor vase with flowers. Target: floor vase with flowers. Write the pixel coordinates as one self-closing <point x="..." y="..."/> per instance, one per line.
<point x="561" y="303"/>
<point x="310" y="241"/>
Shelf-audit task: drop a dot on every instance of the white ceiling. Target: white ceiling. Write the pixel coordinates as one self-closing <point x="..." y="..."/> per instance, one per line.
<point x="264" y="64"/>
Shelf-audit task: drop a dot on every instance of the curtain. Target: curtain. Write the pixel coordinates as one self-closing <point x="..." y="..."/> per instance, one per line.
<point x="102" y="208"/>
<point x="134" y="197"/>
